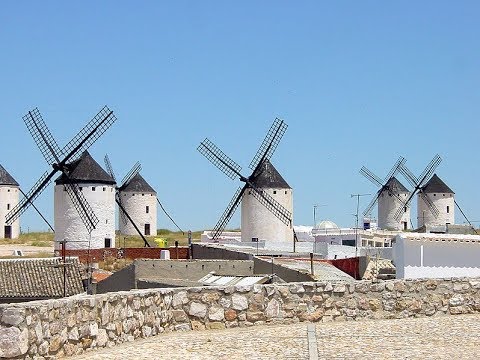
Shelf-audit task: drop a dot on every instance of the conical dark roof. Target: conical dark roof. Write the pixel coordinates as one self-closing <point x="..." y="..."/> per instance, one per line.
<point x="86" y="170"/>
<point x="436" y="185"/>
<point x="138" y="184"/>
<point x="395" y="186"/>
<point x="6" y="178"/>
<point x="269" y="178"/>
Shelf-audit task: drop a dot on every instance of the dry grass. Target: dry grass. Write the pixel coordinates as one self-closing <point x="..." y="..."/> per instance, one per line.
<point x="113" y="264"/>
<point x="170" y="236"/>
<point x="41" y="239"/>
<point x="45" y="239"/>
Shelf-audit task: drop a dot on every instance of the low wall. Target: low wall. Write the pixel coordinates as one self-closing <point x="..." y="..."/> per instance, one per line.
<point x="73" y="325"/>
<point x="97" y="255"/>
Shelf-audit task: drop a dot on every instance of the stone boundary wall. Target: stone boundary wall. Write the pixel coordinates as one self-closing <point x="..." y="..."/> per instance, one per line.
<point x="73" y="325"/>
<point x="97" y="255"/>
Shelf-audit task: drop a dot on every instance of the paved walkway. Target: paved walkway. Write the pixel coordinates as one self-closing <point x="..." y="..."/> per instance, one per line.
<point x="448" y="337"/>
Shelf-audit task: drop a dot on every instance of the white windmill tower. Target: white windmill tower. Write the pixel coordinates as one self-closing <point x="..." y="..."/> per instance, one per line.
<point x="98" y="188"/>
<point x="137" y="202"/>
<point x="258" y="222"/>
<point x="140" y="201"/>
<point x="266" y="197"/>
<point x="9" y="196"/>
<point x="390" y="197"/>
<point x="440" y="197"/>
<point x="81" y="178"/>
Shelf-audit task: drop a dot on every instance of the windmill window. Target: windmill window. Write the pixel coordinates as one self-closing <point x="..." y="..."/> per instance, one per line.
<point x="405" y="209"/>
<point x="8" y="206"/>
<point x="285" y="192"/>
<point x="448" y="209"/>
<point x="104" y="188"/>
<point x="81" y="188"/>
<point x="8" y="190"/>
<point x="434" y="194"/>
<point x="106" y="221"/>
<point x="147" y="209"/>
<point x="143" y="194"/>
<point x="93" y="188"/>
<point x="274" y="191"/>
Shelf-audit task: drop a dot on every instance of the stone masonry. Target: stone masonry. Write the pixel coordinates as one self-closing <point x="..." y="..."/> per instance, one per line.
<point x="73" y="325"/>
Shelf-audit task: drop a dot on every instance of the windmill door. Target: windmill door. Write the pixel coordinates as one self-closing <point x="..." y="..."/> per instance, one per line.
<point x="147" y="229"/>
<point x="8" y="232"/>
<point x="405" y="225"/>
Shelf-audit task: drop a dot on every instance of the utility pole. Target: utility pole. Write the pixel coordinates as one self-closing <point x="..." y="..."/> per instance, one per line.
<point x="356" y="218"/>
<point x="315" y="206"/>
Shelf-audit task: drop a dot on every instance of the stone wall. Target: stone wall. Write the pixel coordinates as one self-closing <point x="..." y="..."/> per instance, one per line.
<point x="73" y="325"/>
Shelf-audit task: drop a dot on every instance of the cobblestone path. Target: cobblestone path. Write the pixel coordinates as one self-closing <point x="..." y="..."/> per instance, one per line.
<point x="448" y="337"/>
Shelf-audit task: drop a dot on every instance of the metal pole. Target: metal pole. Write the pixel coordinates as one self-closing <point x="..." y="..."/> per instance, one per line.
<point x="356" y="217"/>
<point x="190" y="252"/>
<point x="311" y="264"/>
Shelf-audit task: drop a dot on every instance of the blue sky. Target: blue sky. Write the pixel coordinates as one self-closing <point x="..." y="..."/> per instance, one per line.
<point x="359" y="83"/>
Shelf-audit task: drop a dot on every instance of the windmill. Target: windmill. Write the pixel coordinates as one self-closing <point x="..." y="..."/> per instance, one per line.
<point x="61" y="161"/>
<point x="390" y="196"/>
<point x="418" y="184"/>
<point x="262" y="171"/>
<point x="9" y="197"/>
<point x="125" y="217"/>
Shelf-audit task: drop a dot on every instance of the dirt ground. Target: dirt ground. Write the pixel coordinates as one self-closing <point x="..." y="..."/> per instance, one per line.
<point x="28" y="250"/>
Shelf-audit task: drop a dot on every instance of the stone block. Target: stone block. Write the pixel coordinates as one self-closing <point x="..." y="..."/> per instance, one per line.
<point x="254" y="316"/>
<point x="215" y="326"/>
<point x="102" y="338"/>
<point x="225" y="302"/>
<point x="210" y="298"/>
<point x="56" y="343"/>
<point x="216" y="313"/>
<point x="296" y="289"/>
<point x="230" y="315"/>
<point x="198" y="310"/>
<point x="182" y="327"/>
<point x="179" y="299"/>
<point x="273" y="309"/>
<point x="456" y="300"/>
<point x="13" y="342"/>
<point x="13" y="316"/>
<point x="239" y="302"/>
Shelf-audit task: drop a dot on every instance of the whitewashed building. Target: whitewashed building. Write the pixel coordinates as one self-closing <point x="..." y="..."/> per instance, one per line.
<point x="9" y="197"/>
<point x="140" y="201"/>
<point x="389" y="203"/>
<point x="420" y="255"/>
<point x="442" y="197"/>
<point x="257" y="221"/>
<point x="98" y="187"/>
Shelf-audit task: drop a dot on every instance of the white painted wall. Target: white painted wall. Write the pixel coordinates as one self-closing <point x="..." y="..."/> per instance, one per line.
<point x="436" y="256"/>
<point x="136" y="203"/>
<point x="258" y="221"/>
<point x="9" y="196"/>
<point x="387" y="208"/>
<point x="441" y="201"/>
<point x="69" y="226"/>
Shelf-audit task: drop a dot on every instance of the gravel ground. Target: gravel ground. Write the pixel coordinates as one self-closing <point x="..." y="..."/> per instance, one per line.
<point x="448" y="337"/>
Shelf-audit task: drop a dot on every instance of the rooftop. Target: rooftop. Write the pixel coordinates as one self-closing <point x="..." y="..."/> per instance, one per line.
<point x="86" y="170"/>
<point x="269" y="178"/>
<point x="138" y="184"/>
<point x="6" y="178"/>
<point x="436" y="185"/>
<point x="395" y="186"/>
<point x="39" y="278"/>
